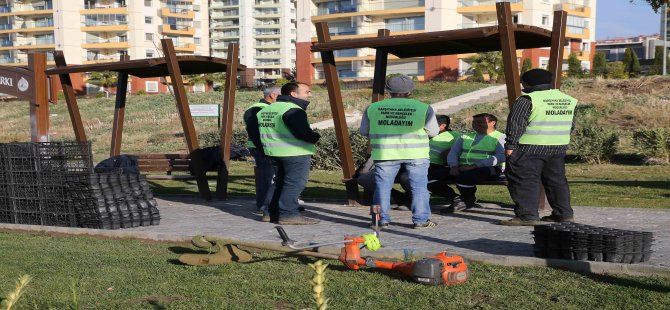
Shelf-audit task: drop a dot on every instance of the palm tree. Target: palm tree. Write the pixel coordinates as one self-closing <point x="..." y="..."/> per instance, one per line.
<point x="487" y="63"/>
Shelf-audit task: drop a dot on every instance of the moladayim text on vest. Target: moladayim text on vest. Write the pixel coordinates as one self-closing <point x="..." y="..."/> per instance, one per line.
<point x="558" y="107"/>
<point x="396" y="117"/>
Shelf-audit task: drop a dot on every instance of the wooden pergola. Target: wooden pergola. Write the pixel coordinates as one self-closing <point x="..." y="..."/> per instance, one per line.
<point x="173" y="66"/>
<point x="505" y="37"/>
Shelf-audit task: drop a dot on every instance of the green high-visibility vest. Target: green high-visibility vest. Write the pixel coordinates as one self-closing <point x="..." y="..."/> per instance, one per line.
<point x="550" y="119"/>
<point x="441" y="143"/>
<point x="485" y="148"/>
<point x="277" y="139"/>
<point x="262" y="105"/>
<point x="397" y="129"/>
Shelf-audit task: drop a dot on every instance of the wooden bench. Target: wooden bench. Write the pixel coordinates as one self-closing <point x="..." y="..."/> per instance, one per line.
<point x="166" y="163"/>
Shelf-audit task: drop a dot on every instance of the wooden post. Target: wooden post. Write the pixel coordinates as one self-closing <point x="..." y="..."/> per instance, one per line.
<point x="381" y="60"/>
<point x="70" y="99"/>
<point x="508" y="48"/>
<point x="557" y="47"/>
<point x="337" y="108"/>
<point x="227" y="116"/>
<point x="39" y="106"/>
<point x="119" y="110"/>
<point x="186" y="118"/>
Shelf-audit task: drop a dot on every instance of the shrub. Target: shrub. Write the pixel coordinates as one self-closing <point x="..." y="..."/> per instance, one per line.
<point x="327" y="155"/>
<point x="654" y="144"/>
<point x="595" y="144"/>
<point x="141" y="92"/>
<point x="212" y="138"/>
<point x="616" y="70"/>
<point x="282" y="81"/>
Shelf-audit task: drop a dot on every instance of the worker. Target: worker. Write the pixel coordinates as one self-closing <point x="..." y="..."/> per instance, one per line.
<point x="475" y="157"/>
<point x="538" y="133"/>
<point x="288" y="139"/>
<point x="399" y="129"/>
<point x="264" y="171"/>
<point x="438" y="171"/>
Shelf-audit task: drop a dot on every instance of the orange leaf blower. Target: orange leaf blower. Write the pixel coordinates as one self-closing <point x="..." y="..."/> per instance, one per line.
<point x="435" y="270"/>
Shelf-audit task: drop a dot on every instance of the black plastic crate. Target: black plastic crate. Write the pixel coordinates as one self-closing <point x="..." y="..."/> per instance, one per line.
<point x="28" y="218"/>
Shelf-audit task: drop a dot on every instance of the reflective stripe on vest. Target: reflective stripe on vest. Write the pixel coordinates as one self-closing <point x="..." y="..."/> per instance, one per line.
<point x="484" y="149"/>
<point x="441" y="143"/>
<point x="277" y="139"/>
<point x="397" y="129"/>
<point x="550" y="119"/>
<point x="262" y="105"/>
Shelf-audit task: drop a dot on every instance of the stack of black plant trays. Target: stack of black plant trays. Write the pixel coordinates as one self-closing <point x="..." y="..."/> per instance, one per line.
<point x="591" y="243"/>
<point x="53" y="183"/>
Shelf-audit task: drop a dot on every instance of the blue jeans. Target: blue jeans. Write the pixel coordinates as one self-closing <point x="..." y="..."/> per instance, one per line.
<point x="290" y="180"/>
<point x="265" y="172"/>
<point x="417" y="171"/>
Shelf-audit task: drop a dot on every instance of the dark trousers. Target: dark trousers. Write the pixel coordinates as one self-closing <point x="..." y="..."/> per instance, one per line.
<point x="524" y="173"/>
<point x="466" y="182"/>
<point x="265" y="172"/>
<point x="438" y="175"/>
<point x="290" y="180"/>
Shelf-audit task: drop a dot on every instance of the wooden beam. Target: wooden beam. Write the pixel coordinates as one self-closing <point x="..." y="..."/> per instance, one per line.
<point x="508" y="48"/>
<point x="557" y="47"/>
<point x="70" y="99"/>
<point x="381" y="60"/>
<point x="227" y="120"/>
<point x="39" y="107"/>
<point x="119" y="110"/>
<point x="186" y="118"/>
<point x="339" y="119"/>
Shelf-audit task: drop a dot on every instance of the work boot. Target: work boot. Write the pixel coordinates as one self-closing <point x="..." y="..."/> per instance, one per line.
<point x="515" y="221"/>
<point x="457" y="205"/>
<point x="297" y="220"/>
<point x="556" y="218"/>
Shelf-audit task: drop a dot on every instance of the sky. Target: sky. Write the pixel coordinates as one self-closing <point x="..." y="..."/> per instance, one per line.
<point x="620" y="18"/>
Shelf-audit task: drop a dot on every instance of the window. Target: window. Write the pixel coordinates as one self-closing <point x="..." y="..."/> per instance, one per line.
<point x="405" y="23"/>
<point x="147" y="20"/>
<point x="149" y="36"/>
<point x="196" y="41"/>
<point x="545" y="20"/>
<point x="147" y="3"/>
<point x="150" y="54"/>
<point x="151" y="86"/>
<point x="585" y="46"/>
<point x="515" y="18"/>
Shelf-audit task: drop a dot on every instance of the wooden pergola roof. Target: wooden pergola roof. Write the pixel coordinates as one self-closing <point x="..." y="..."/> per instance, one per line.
<point x="153" y="67"/>
<point x="448" y="42"/>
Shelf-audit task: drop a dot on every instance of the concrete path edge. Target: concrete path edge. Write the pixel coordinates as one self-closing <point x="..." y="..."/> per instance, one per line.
<point x="587" y="267"/>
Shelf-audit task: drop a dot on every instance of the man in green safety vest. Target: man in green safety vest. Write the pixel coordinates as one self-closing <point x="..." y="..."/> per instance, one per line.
<point x="264" y="170"/>
<point x="399" y="129"/>
<point x="288" y="139"/>
<point x="475" y="157"/>
<point x="538" y="133"/>
<point x="438" y="171"/>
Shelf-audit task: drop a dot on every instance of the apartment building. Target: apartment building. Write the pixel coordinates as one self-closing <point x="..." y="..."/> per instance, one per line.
<point x="95" y="31"/>
<point x="266" y="32"/>
<point x="643" y="46"/>
<point x="362" y="18"/>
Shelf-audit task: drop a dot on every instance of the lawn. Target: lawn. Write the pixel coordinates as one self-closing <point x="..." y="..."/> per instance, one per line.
<point x="591" y="185"/>
<point x="132" y="274"/>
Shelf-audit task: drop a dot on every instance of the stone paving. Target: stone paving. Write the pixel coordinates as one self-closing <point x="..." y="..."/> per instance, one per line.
<point x="473" y="232"/>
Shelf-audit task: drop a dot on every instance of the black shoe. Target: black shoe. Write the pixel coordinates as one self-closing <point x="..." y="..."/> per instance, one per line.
<point x="427" y="224"/>
<point x="556" y="218"/>
<point x="301" y="209"/>
<point x="515" y="221"/>
<point x="257" y="212"/>
<point x="458" y="205"/>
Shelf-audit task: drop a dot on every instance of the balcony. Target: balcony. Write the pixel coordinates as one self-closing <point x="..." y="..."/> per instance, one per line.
<point x="266" y="3"/>
<point x="577" y="32"/>
<point x="405" y="27"/>
<point x="104" y="7"/>
<point x="266" y="13"/>
<point x="113" y="43"/>
<point x="92" y="25"/>
<point x="178" y="12"/>
<point x="39" y="8"/>
<point x="184" y="47"/>
<point x="225" y="15"/>
<point x="345" y="8"/>
<point x="178" y="30"/>
<point x="485" y="6"/>
<point x="224" y="4"/>
<point x="575" y="7"/>
<point x="475" y="25"/>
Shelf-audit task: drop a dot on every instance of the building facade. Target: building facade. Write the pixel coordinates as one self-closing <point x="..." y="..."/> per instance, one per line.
<point x="362" y="18"/>
<point x="95" y="31"/>
<point x="266" y="32"/>
<point x="643" y="46"/>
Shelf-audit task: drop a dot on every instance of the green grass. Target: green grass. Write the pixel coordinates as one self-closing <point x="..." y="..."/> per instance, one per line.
<point x="590" y="185"/>
<point x="131" y="274"/>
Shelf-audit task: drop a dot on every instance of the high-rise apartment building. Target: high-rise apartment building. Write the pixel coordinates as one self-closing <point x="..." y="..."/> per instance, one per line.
<point x="362" y="18"/>
<point x="265" y="30"/>
<point x="94" y="31"/>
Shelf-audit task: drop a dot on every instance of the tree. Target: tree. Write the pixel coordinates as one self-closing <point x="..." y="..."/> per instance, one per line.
<point x="655" y="4"/>
<point x="208" y="78"/>
<point x="616" y="70"/>
<point x="103" y="79"/>
<point x="574" y="66"/>
<point x="599" y="64"/>
<point x="658" y="61"/>
<point x="527" y="65"/>
<point x="631" y="62"/>
<point x="489" y="62"/>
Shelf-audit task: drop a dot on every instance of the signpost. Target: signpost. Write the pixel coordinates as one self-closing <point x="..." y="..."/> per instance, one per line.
<point x="206" y="110"/>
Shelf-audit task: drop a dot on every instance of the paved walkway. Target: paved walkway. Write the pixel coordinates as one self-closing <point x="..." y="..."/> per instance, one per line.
<point x="469" y="233"/>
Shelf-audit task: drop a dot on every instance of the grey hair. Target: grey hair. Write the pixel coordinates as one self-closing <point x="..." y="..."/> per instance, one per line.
<point x="271" y="90"/>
